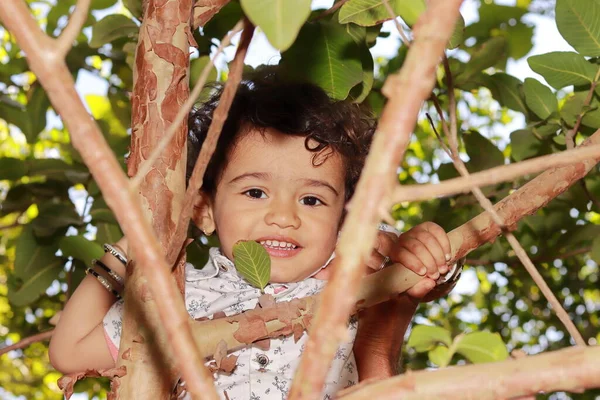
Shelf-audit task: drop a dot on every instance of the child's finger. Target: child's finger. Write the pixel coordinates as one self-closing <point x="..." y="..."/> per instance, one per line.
<point x="434" y="247"/>
<point x="418" y="249"/>
<point x="409" y="260"/>
<point x="421" y="288"/>
<point x="375" y="262"/>
<point x="440" y="234"/>
<point x="384" y="243"/>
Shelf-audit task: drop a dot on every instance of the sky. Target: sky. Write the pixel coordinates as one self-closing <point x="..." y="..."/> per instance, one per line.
<point x="546" y="38"/>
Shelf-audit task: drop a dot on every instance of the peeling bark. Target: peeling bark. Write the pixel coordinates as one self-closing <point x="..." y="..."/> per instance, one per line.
<point x="573" y="369"/>
<point x="161" y="87"/>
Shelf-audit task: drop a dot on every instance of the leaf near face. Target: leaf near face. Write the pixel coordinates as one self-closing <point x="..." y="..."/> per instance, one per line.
<point x="252" y="262"/>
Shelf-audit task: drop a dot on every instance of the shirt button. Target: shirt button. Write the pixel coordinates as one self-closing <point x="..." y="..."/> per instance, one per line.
<point x="262" y="359"/>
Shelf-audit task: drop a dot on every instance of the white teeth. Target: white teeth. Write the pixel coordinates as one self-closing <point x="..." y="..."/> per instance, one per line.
<point x="278" y="244"/>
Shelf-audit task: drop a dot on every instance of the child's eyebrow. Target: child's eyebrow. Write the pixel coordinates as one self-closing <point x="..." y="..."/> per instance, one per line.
<point x="265" y="176"/>
<point x="318" y="183"/>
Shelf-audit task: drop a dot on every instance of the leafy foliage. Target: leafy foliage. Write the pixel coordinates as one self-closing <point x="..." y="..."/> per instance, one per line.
<point x="53" y="217"/>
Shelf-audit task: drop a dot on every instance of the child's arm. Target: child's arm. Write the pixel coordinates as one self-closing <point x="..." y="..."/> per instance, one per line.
<point x="381" y="328"/>
<point x="78" y="341"/>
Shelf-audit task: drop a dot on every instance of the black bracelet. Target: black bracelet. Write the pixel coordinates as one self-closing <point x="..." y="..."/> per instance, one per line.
<point x="119" y="279"/>
<point x="104" y="282"/>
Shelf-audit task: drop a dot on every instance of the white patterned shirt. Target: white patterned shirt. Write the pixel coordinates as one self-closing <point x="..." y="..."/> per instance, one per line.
<point x="260" y="374"/>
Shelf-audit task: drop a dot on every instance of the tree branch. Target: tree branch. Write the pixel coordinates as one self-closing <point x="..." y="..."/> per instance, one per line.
<point x="589" y="151"/>
<point x="38" y="337"/>
<point x="86" y="137"/>
<point x="573" y="369"/>
<point x="394" y="17"/>
<point x="570" y="135"/>
<point x="183" y="111"/>
<point x="204" y="10"/>
<point x="358" y="233"/>
<point x="487" y="205"/>
<point x="65" y="41"/>
<point x="210" y="143"/>
<point x="541" y="258"/>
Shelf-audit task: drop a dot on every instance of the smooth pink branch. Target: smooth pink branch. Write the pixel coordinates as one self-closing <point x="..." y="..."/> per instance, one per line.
<point x="64" y="42"/>
<point x="375" y="186"/>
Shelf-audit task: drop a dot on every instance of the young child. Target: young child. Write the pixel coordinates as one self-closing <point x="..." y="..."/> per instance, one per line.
<point x="286" y="163"/>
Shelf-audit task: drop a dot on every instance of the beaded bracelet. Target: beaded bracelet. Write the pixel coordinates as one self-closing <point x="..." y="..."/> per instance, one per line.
<point x="104" y="282"/>
<point x="119" y="279"/>
<point x="115" y="253"/>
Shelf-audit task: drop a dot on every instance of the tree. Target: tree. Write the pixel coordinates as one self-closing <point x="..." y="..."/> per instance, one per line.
<point x="40" y="218"/>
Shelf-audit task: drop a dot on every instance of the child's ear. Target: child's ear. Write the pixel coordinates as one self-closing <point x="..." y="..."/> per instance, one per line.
<point x="202" y="215"/>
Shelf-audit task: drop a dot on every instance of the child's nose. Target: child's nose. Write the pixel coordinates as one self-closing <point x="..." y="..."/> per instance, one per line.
<point x="283" y="215"/>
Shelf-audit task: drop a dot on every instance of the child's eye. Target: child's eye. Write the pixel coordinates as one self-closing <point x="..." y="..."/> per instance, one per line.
<point x="255" y="194"/>
<point x="311" y="201"/>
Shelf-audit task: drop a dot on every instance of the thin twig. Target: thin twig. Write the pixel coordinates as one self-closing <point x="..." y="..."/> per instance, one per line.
<point x="496" y="175"/>
<point x="330" y="10"/>
<point x="358" y="233"/>
<point x="65" y="41"/>
<point x="570" y="135"/>
<point x="487" y="205"/>
<point x="393" y="15"/>
<point x="38" y="337"/>
<point x="437" y="135"/>
<point x="183" y="111"/>
<point x="210" y="143"/>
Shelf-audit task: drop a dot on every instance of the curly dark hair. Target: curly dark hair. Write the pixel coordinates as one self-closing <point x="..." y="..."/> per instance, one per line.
<point x="293" y="108"/>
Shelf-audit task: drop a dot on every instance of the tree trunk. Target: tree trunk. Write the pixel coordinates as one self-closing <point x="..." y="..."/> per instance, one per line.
<point x="161" y="86"/>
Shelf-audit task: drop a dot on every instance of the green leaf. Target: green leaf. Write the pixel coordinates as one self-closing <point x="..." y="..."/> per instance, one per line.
<point x="520" y="40"/>
<point x="107" y="233"/>
<point x="58" y="169"/>
<point x="224" y="21"/>
<point x="112" y="27"/>
<point x="280" y="20"/>
<point x="440" y="356"/>
<point x="12" y="168"/>
<point x="362" y="90"/>
<point x="508" y="91"/>
<point x="458" y="34"/>
<point x="197" y="65"/>
<point x="335" y="61"/>
<point x="574" y="106"/>
<point x="53" y="217"/>
<point x="482" y="152"/>
<point x="37" y="106"/>
<point x="374" y="12"/>
<point x="252" y="262"/>
<point x="481" y="347"/>
<point x="80" y="248"/>
<point x="30" y="256"/>
<point x="425" y="337"/>
<point x="563" y="68"/>
<point x="35" y="284"/>
<point x="539" y="98"/>
<point x="577" y="22"/>
<point x="486" y="55"/>
<point x="102" y="4"/>
<point x="524" y="144"/>
<point x="135" y="7"/>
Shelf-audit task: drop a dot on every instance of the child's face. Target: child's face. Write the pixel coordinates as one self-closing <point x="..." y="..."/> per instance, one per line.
<point x="271" y="192"/>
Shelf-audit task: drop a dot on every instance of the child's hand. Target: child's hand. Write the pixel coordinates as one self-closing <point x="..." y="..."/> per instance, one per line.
<point x="424" y="250"/>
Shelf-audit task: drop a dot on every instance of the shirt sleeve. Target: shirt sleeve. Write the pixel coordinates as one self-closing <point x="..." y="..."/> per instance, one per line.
<point x="113" y="322"/>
